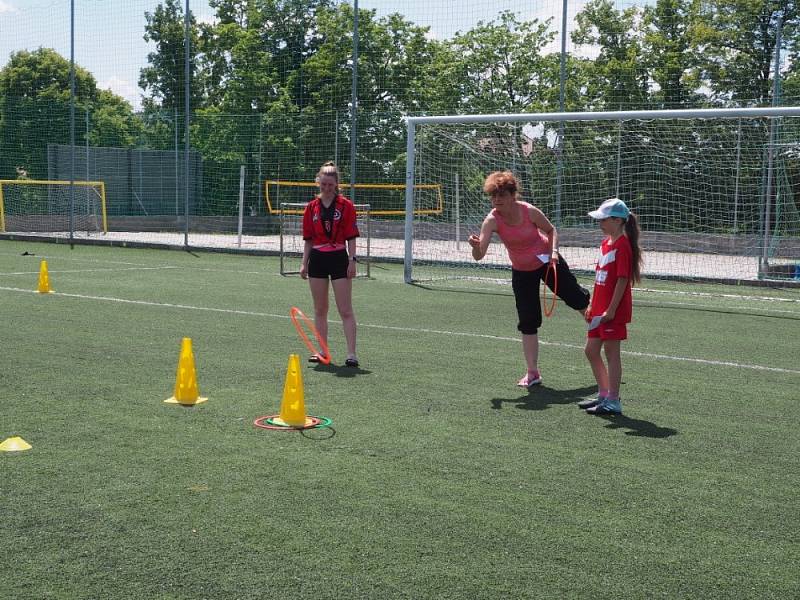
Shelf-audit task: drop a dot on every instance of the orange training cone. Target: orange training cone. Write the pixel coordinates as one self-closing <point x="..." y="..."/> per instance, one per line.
<point x="186" y="391"/>
<point x="44" y="279"/>
<point x="293" y="406"/>
<point x="15" y="444"/>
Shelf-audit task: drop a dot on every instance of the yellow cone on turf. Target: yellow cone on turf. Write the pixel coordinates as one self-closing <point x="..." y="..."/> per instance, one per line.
<point x="293" y="406"/>
<point x="15" y="444"/>
<point x="44" y="279"/>
<point x="186" y="391"/>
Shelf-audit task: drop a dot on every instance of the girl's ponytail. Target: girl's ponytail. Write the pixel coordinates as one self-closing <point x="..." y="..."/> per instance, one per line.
<point x="632" y="231"/>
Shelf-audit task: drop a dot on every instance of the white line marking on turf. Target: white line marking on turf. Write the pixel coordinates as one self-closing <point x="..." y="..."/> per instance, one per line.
<point x="230" y="311"/>
<point x="62" y="271"/>
<point x="716" y="295"/>
<point x="117" y="262"/>
<point x="749" y="310"/>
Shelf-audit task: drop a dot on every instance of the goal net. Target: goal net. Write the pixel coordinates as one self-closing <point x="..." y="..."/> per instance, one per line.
<point x="29" y="205"/>
<point x="716" y="191"/>
<point x="291" y="237"/>
<point x="386" y="199"/>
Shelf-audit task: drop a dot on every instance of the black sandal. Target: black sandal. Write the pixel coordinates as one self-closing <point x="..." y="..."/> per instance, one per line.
<point x="351" y="362"/>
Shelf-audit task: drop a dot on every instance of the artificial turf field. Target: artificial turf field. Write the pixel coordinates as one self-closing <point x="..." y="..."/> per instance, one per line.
<point x="439" y="478"/>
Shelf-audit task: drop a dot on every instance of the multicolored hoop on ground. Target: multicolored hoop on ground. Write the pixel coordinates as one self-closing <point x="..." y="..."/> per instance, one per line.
<point x="323" y="353"/>
<point x="551" y="268"/>
<point x="275" y="423"/>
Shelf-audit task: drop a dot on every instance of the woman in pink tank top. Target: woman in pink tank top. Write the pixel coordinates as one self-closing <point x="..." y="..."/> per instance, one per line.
<point x="531" y="242"/>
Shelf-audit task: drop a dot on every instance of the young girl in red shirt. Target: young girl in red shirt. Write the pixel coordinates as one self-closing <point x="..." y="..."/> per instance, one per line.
<point x="619" y="264"/>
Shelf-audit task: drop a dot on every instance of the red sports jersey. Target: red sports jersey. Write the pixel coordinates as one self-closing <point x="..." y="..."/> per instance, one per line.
<point x="329" y="234"/>
<point x="616" y="260"/>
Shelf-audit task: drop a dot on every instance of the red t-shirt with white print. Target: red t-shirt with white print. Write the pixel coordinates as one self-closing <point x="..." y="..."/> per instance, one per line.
<point x="615" y="261"/>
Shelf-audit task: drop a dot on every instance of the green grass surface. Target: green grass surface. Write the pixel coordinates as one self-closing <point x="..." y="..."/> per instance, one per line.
<point x="439" y="479"/>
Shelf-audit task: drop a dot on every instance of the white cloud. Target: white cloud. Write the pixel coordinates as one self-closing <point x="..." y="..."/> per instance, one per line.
<point x="124" y="88"/>
<point x="6" y="8"/>
<point x="205" y="19"/>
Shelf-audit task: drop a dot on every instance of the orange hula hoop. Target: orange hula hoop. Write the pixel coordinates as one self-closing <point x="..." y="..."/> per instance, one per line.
<point x="323" y="352"/>
<point x="548" y="311"/>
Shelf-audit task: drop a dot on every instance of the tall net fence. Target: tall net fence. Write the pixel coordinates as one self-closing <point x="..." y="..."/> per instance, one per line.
<point x="272" y="93"/>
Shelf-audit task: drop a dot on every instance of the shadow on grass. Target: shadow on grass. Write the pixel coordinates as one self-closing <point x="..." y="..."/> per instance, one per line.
<point x="341" y="370"/>
<point x="638" y="427"/>
<point x="318" y="434"/>
<point x="542" y="397"/>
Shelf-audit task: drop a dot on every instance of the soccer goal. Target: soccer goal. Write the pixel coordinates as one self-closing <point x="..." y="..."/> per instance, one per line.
<point x="291" y="237"/>
<point x="714" y="189"/>
<point x="30" y="205"/>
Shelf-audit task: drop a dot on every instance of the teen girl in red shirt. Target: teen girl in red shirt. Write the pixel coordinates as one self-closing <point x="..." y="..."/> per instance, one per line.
<point x="329" y="253"/>
<point x="619" y="264"/>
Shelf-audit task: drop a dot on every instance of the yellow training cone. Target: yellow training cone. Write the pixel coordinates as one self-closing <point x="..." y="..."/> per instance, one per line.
<point x="293" y="406"/>
<point x="15" y="444"/>
<point x="186" y="391"/>
<point x="44" y="279"/>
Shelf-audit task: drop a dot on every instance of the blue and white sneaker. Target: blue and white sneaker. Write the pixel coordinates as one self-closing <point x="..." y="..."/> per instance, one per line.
<point x="590" y="402"/>
<point x="606" y="407"/>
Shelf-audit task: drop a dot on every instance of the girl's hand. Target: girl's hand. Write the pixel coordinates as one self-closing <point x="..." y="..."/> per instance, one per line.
<point x="351" y="269"/>
<point x="608" y="316"/>
<point x="474" y="240"/>
<point x="303" y="272"/>
<point x="587" y="314"/>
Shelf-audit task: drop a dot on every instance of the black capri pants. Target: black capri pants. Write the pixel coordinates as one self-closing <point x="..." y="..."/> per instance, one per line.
<point x="328" y="264"/>
<point x="526" y="294"/>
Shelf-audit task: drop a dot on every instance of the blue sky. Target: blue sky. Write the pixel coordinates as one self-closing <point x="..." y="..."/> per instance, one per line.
<point x="109" y="33"/>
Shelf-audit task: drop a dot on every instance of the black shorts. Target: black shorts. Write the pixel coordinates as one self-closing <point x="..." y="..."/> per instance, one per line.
<point x="328" y="264"/>
<point x="526" y="294"/>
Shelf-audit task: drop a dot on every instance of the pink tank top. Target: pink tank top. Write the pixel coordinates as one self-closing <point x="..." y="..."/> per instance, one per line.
<point x="527" y="246"/>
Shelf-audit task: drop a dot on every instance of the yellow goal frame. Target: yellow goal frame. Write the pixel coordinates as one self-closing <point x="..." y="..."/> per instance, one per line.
<point x="361" y="186"/>
<point x="97" y="184"/>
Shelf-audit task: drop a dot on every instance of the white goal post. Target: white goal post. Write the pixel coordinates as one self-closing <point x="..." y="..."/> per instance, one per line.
<point x="291" y="237"/>
<point x="713" y="188"/>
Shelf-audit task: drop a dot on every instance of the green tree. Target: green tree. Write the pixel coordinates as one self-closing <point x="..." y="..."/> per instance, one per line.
<point x="35" y="109"/>
<point x="738" y="40"/>
<point x="618" y="77"/>
<point x="671" y="52"/>
<point x="499" y="66"/>
<point x="249" y="58"/>
<point x="164" y="79"/>
<point x="394" y="76"/>
<point x="112" y="122"/>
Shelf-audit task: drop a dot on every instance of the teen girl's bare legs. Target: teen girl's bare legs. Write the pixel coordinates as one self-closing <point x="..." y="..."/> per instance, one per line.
<point x="592" y="351"/>
<point x="343" y="293"/>
<point x="319" y="293"/>
<point x="614" y="360"/>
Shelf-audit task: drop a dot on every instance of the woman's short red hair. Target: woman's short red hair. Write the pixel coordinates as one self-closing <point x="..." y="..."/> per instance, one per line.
<point x="499" y="182"/>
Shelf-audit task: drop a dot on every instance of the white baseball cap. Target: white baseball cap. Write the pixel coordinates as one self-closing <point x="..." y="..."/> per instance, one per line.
<point x="613" y="207"/>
